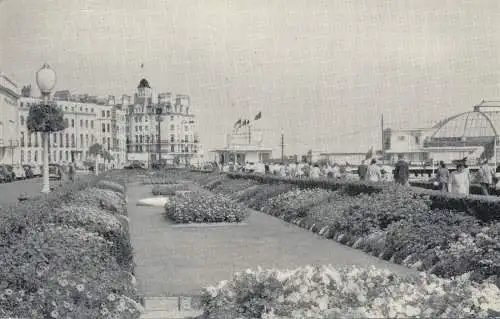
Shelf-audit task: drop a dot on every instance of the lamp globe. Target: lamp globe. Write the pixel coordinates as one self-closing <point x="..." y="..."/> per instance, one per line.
<point x="46" y="79"/>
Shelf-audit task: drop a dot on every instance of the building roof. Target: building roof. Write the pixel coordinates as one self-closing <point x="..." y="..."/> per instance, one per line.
<point x="143" y="84"/>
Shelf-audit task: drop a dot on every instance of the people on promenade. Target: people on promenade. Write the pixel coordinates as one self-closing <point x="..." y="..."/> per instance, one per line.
<point x="401" y="171"/>
<point x="315" y="171"/>
<point x="459" y="181"/>
<point x="362" y="170"/>
<point x="336" y="171"/>
<point x="71" y="171"/>
<point x="373" y="173"/>
<point x="485" y="176"/>
<point x="442" y="176"/>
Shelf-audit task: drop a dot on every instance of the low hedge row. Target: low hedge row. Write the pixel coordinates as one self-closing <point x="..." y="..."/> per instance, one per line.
<point x="68" y="254"/>
<point x="486" y="208"/>
<point x="474" y="188"/>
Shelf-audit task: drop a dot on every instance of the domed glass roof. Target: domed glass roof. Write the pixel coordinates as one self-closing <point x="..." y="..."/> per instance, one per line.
<point x="470" y="124"/>
<point x="143" y="84"/>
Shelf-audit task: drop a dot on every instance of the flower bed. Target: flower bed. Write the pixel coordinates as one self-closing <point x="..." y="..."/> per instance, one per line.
<point x="168" y="190"/>
<point x="397" y="224"/>
<point x="486" y="208"/>
<point x="326" y="292"/>
<point x="68" y="254"/>
<point x="200" y="207"/>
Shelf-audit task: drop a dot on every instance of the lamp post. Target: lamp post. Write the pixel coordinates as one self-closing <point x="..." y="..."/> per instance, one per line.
<point x="159" y="118"/>
<point x="46" y="81"/>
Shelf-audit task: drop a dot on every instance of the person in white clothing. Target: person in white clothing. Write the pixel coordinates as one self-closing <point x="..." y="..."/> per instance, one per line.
<point x="315" y="171"/>
<point x="373" y="174"/>
<point x="459" y="181"/>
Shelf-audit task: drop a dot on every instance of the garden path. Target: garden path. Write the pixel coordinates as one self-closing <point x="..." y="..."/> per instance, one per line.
<point x="174" y="261"/>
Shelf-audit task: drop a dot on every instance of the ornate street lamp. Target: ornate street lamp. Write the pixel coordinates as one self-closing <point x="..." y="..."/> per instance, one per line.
<point x="46" y="81"/>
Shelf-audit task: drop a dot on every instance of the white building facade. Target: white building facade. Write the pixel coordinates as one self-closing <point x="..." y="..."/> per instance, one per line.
<point x="88" y="121"/>
<point x="169" y="135"/>
<point x="9" y="122"/>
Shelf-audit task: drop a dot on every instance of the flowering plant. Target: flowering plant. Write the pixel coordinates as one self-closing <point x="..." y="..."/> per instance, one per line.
<point x="327" y="292"/>
<point x="70" y="273"/>
<point x="201" y="207"/>
<point x="168" y="190"/>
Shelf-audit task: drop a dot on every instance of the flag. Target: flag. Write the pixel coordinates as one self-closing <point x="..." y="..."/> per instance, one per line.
<point x="489" y="151"/>
<point x="258" y="116"/>
<point x="369" y="154"/>
<point x="238" y="123"/>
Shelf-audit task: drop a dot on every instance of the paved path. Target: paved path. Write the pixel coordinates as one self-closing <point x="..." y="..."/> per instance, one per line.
<point x="181" y="260"/>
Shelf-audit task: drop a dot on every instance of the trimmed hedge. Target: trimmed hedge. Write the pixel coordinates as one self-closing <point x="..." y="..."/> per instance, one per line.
<point x="68" y="254"/>
<point x="485" y="208"/>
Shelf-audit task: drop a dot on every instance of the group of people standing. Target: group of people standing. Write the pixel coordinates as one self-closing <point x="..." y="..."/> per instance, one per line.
<point x="459" y="181"/>
<point x="373" y="172"/>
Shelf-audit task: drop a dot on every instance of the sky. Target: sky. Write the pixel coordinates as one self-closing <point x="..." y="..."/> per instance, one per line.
<point x="321" y="72"/>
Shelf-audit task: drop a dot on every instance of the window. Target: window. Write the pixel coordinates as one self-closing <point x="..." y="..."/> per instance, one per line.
<point x="186" y="128"/>
<point x="36" y="156"/>
<point x="172" y="138"/>
<point x="103" y="127"/>
<point x="60" y="155"/>
<point x="67" y="140"/>
<point x="187" y="109"/>
<point x="22" y="140"/>
<point x="108" y="114"/>
<point x="186" y="138"/>
<point x="55" y="158"/>
<point x="36" y="139"/>
<point x="72" y="140"/>
<point x="61" y="141"/>
<point x="417" y="139"/>
<point x="103" y="114"/>
<point x="66" y="108"/>
<point x="86" y="140"/>
<point x="401" y="138"/>
<point x="29" y="156"/>
<point x="86" y="123"/>
<point x="21" y="104"/>
<point x="92" y="110"/>
<point x="81" y="140"/>
<point x="81" y="109"/>
<point x="171" y="118"/>
<point x="109" y="143"/>
<point x="81" y="123"/>
<point x="86" y="110"/>
<point x="172" y="127"/>
<point x="67" y="156"/>
<point x="22" y="155"/>
<point x="66" y="122"/>
<point x="91" y="124"/>
<point x="108" y="128"/>
<point x="22" y="120"/>
<point x="103" y="141"/>
<point x="172" y="149"/>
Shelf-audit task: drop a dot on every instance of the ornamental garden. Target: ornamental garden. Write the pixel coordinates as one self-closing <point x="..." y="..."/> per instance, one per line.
<point x="69" y="254"/>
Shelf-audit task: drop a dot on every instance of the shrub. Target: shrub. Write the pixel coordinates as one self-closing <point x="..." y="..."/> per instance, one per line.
<point x="98" y="221"/>
<point x="168" y="190"/>
<point x="64" y="271"/>
<point x="257" y="197"/>
<point x="102" y="198"/>
<point x="326" y="292"/>
<point x="199" y="207"/>
<point x="111" y="186"/>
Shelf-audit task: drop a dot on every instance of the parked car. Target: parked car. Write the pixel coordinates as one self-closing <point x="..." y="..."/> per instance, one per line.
<point x="55" y="171"/>
<point x="5" y="174"/>
<point x="134" y="165"/>
<point x="10" y="168"/>
<point x="18" y="171"/>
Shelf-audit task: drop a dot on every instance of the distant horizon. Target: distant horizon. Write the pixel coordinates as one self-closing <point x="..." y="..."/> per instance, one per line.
<point x="322" y="72"/>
